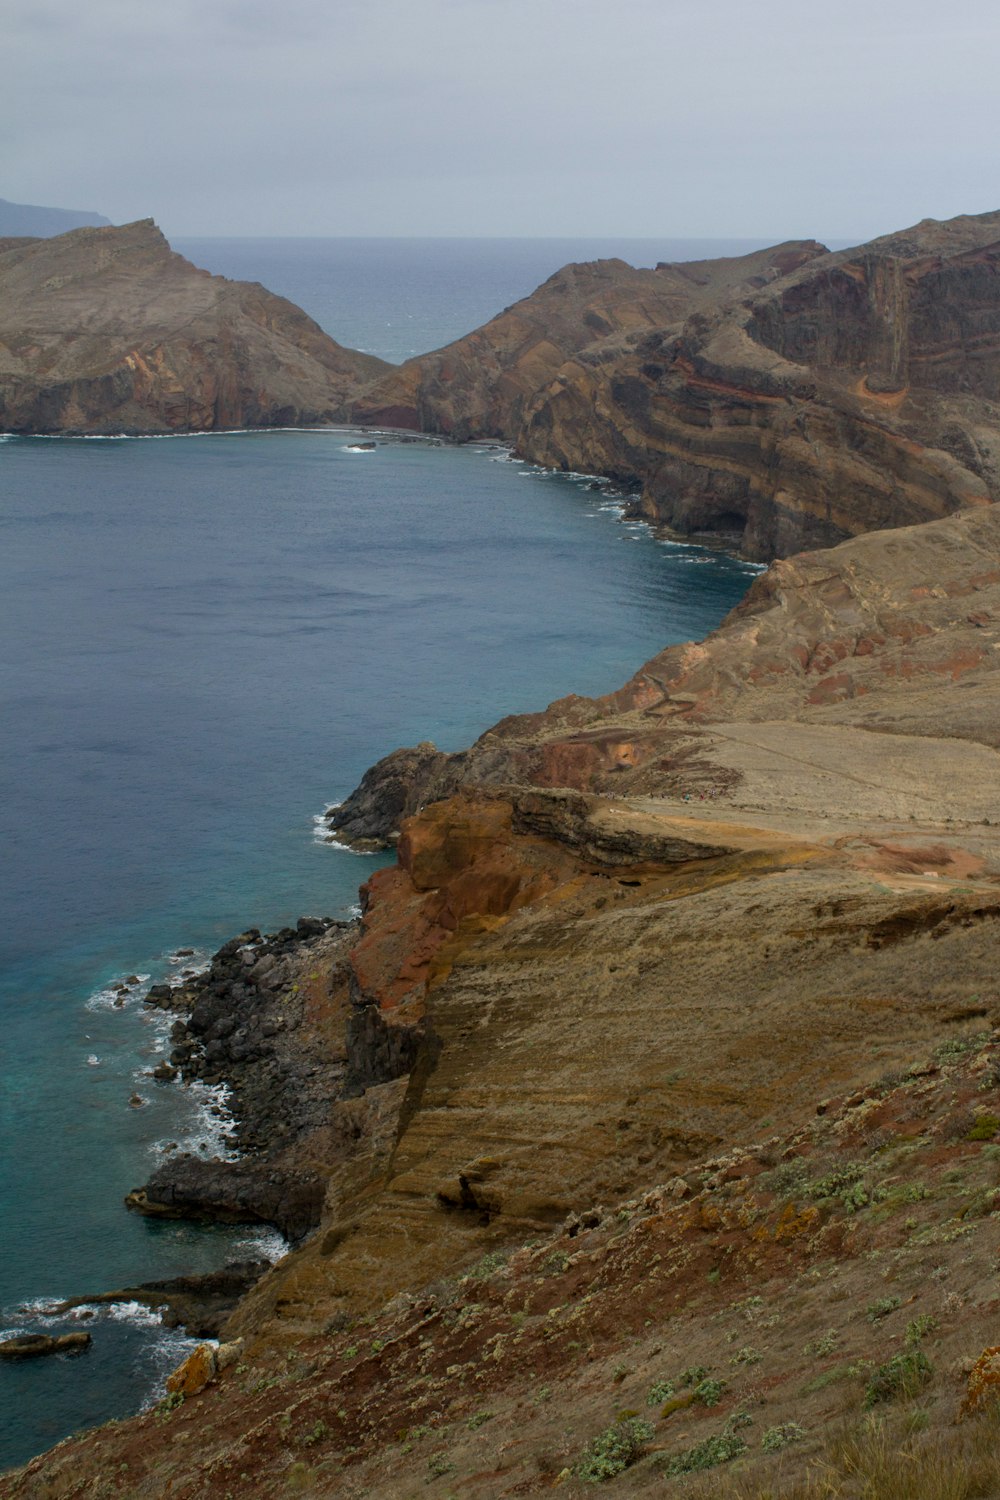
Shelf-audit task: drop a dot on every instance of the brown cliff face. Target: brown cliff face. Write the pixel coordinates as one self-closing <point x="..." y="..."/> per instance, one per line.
<point x="782" y="400"/>
<point x="857" y="392"/>
<point x="481" y="385"/>
<point x="107" y="330"/>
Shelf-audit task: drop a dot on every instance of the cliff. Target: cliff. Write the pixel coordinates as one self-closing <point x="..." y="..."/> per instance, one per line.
<point x="783" y="400"/>
<point x="107" y="330"/>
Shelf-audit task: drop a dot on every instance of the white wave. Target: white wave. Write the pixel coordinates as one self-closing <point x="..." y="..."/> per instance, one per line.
<point x="354" y="912"/>
<point x="356" y="448"/>
<point x="323" y="834"/>
<point x="260" y="1244"/>
<point x="93" y="1061"/>
<point x="136" y="1313"/>
<point x="207" y="1132"/>
<point x="118" y="994"/>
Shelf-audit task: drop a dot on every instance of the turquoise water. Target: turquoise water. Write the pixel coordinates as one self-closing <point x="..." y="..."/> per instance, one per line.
<point x="212" y="638"/>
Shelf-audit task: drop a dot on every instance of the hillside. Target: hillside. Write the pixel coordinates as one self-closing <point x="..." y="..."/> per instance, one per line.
<point x="644" y="1129"/>
<point x="107" y="330"/>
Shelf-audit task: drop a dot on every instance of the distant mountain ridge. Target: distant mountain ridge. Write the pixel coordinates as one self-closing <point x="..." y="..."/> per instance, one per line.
<point x="19" y="220"/>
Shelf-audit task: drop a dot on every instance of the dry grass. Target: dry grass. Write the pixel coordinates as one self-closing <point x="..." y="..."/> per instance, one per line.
<point x="882" y="1459"/>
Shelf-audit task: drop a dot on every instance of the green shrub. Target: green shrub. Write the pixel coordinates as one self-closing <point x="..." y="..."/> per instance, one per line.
<point x="776" y="1438"/>
<point x="712" y="1451"/>
<point x="611" y="1452"/>
<point x="903" y="1375"/>
<point x="919" y="1328"/>
<point x="709" y="1392"/>
<point x="660" y="1392"/>
<point x="824" y="1345"/>
<point x="837" y="1182"/>
<point x="984" y="1129"/>
<point x="492" y="1261"/>
<point x="882" y="1308"/>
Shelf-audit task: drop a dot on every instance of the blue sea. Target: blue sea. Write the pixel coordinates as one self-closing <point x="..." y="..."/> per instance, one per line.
<point x="208" y="640"/>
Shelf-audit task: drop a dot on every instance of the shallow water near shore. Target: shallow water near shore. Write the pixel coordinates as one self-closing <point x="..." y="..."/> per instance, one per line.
<point x="215" y="639"/>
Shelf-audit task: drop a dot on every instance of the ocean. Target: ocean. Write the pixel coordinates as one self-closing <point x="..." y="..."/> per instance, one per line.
<point x="209" y="639"/>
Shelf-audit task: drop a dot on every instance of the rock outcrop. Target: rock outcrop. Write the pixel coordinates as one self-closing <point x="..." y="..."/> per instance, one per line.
<point x="107" y="330"/>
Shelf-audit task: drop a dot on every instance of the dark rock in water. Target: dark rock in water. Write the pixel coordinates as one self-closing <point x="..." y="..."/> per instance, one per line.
<point x="250" y="1022"/>
<point x="159" y="996"/>
<point x="199" y="1304"/>
<point x="393" y="789"/>
<point x="311" y="926"/>
<point x="183" y="952"/>
<point x="240" y="1192"/>
<point x="31" y="1345"/>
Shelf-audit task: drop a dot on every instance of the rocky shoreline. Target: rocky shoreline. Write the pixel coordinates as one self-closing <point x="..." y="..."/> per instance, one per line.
<point x="245" y="1023"/>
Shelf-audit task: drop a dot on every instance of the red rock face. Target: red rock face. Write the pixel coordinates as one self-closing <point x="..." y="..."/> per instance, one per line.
<point x="460" y="867"/>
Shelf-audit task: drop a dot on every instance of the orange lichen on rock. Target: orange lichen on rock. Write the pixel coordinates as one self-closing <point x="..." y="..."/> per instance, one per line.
<point x="983" y="1387"/>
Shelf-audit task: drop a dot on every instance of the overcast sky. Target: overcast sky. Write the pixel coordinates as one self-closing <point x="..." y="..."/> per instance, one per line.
<point x="492" y="117"/>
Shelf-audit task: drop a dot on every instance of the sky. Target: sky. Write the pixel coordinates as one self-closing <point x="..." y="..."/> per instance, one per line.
<point x="667" y="118"/>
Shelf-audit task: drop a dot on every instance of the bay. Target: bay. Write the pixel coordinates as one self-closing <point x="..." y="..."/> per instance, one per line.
<point x="207" y="640"/>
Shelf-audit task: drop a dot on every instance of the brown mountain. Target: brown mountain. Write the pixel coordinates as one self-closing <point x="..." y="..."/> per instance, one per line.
<point x="785" y="399"/>
<point x="107" y="330"/>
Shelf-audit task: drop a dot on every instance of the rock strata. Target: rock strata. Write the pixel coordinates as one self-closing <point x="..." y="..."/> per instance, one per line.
<point x="107" y="330"/>
<point x="783" y="400"/>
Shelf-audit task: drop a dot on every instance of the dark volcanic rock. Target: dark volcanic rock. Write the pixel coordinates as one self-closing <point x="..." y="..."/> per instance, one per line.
<point x="244" y="1192"/>
<point x="250" y="1022"/>
<point x="200" y="1304"/>
<point x="391" y="790"/>
<point x="31" y="1345"/>
<point x="107" y="330"/>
